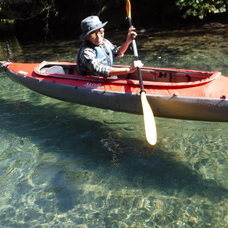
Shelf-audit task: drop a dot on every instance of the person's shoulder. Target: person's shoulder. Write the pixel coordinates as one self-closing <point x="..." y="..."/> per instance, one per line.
<point x="89" y="53"/>
<point x="87" y="47"/>
<point x="107" y="42"/>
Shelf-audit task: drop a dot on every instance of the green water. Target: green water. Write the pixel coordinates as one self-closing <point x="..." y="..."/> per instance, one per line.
<point x="68" y="165"/>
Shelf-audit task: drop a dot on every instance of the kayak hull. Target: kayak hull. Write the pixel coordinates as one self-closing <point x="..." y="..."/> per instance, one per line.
<point x="165" y="102"/>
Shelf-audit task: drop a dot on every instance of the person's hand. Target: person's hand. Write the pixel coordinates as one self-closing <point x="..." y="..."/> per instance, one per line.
<point x="136" y="64"/>
<point x="131" y="34"/>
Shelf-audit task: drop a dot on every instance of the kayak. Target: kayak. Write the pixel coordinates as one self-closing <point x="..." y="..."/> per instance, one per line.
<point x="172" y="93"/>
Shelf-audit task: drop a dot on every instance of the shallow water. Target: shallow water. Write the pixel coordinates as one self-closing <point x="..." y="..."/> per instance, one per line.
<point x="68" y="165"/>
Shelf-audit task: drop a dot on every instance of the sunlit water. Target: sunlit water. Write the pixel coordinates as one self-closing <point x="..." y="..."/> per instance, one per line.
<point x="68" y="165"/>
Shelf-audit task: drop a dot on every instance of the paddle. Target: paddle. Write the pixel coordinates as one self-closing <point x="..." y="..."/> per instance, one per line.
<point x="149" y="121"/>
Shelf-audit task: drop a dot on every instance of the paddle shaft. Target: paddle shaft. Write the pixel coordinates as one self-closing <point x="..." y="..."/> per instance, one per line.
<point x="136" y="56"/>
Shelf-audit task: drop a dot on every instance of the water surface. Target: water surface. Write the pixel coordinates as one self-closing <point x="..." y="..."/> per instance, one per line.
<point x="68" y="165"/>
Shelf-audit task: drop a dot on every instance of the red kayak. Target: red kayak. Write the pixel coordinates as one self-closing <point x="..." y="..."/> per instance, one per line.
<point x="173" y="93"/>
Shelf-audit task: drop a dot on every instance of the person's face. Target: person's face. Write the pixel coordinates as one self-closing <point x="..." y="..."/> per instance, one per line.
<point x="96" y="37"/>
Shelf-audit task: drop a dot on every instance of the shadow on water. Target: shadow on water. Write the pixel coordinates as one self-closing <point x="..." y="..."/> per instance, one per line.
<point x="49" y="129"/>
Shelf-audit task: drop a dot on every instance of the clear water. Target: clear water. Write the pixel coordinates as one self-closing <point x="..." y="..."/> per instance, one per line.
<point x="68" y="165"/>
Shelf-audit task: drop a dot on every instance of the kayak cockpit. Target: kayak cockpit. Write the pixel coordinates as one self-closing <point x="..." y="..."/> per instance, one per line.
<point x="151" y="75"/>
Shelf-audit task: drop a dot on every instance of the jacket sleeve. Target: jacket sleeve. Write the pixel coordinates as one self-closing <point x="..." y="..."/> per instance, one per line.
<point x="91" y="65"/>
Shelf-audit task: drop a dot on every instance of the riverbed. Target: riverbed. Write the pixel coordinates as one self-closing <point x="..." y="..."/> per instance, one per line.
<point x="69" y="165"/>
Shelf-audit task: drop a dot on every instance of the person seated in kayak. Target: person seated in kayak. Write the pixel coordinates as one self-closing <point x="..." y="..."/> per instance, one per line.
<point x="96" y="54"/>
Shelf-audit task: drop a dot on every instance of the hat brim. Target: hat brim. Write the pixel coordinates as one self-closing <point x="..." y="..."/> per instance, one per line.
<point x="83" y="35"/>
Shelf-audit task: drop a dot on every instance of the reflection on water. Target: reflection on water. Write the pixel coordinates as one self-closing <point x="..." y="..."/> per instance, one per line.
<point x="68" y="165"/>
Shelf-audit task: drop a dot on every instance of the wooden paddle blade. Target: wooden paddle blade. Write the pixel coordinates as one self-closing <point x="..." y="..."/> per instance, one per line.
<point x="149" y="121"/>
<point x="128" y="8"/>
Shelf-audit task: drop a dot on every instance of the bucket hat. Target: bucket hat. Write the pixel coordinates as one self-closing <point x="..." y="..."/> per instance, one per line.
<point x="90" y="24"/>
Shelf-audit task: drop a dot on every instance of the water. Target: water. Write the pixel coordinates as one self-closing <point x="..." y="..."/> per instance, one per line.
<point x="68" y="165"/>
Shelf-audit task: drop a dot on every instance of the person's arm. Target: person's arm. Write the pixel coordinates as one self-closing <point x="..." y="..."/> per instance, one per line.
<point x="125" y="70"/>
<point x="130" y="36"/>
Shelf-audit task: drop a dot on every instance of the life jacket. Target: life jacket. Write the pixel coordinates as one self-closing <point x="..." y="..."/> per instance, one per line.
<point x="104" y="53"/>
